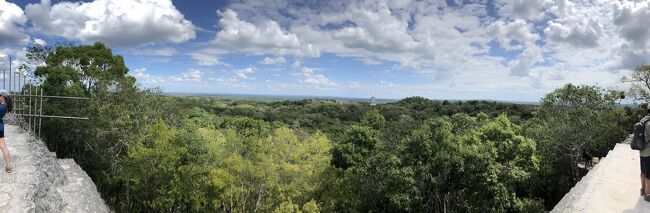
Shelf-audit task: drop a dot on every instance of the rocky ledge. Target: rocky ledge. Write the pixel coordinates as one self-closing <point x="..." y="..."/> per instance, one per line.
<point x="42" y="183"/>
<point x="611" y="186"/>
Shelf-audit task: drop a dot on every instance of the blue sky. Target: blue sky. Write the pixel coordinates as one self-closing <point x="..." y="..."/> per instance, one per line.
<point x="454" y="49"/>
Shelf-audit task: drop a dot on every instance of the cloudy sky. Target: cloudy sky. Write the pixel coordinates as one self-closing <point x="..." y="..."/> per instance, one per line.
<point x="515" y="50"/>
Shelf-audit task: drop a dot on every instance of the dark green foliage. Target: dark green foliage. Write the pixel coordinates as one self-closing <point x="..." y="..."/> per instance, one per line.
<point x="152" y="153"/>
<point x="574" y="124"/>
<point x="359" y="144"/>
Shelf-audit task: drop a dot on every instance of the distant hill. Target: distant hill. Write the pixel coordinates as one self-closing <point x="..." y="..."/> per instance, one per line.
<point x="271" y="98"/>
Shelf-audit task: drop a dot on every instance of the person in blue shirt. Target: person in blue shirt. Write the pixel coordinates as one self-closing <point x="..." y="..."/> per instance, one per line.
<point x="6" y="105"/>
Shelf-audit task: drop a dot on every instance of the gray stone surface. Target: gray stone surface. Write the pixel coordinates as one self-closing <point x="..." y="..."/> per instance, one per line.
<point x="42" y="183"/>
<point x="611" y="186"/>
<point x="78" y="191"/>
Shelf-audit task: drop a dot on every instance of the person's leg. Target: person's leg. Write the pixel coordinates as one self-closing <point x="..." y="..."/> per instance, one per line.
<point x="647" y="186"/>
<point x="645" y="169"/>
<point x="5" y="153"/>
<point x="643" y="177"/>
<point x="643" y="181"/>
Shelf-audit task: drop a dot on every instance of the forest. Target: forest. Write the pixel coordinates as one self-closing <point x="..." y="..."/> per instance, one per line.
<point x="149" y="152"/>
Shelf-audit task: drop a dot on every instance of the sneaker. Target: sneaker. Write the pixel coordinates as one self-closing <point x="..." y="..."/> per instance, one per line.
<point x="8" y="169"/>
<point x="646" y="198"/>
<point x="642" y="191"/>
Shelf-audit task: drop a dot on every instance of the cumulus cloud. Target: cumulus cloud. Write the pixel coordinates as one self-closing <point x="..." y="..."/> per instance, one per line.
<point x="513" y="35"/>
<point x="18" y="57"/>
<point x="526" y="60"/>
<point x="208" y="57"/>
<point x="527" y="9"/>
<point x="236" y="78"/>
<point x="562" y="8"/>
<point x="426" y="40"/>
<point x="296" y="64"/>
<point x="375" y="30"/>
<point x="267" y="38"/>
<point x="604" y="32"/>
<point x="632" y="21"/>
<point x="119" y="23"/>
<point x="276" y="60"/>
<point x="548" y="42"/>
<point x="163" y="51"/>
<point x="191" y="75"/>
<point x="308" y="77"/>
<point x="244" y="73"/>
<point x="632" y="57"/>
<point x="40" y="42"/>
<point x="579" y="35"/>
<point x="147" y="79"/>
<point x="12" y="20"/>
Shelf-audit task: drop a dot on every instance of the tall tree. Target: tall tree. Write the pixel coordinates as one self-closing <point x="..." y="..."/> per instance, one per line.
<point x="118" y="110"/>
<point x="640" y="80"/>
<point x="575" y="123"/>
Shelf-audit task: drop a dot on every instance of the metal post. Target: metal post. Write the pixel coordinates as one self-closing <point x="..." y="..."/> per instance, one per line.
<point x="15" y="92"/>
<point x="22" y="99"/>
<point x="9" y="75"/>
<point x="40" y="113"/>
<point x="13" y="82"/>
<point x="12" y="79"/>
<point x="29" y="119"/>
<point x="17" y="104"/>
<point x="35" y="105"/>
<point x="21" y="91"/>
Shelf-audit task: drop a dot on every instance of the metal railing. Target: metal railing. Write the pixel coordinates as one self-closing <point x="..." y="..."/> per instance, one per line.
<point x="28" y="99"/>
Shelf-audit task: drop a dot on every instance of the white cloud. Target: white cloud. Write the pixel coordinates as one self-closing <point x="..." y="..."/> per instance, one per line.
<point x="191" y="75"/>
<point x="163" y="51"/>
<point x="12" y="20"/>
<point x="308" y="77"/>
<point x="244" y="73"/>
<point x="561" y="8"/>
<point x="527" y="59"/>
<point x="632" y="21"/>
<point x="376" y="30"/>
<point x="296" y="64"/>
<point x="17" y="55"/>
<point x="527" y="9"/>
<point x="40" y="42"/>
<point x="235" y="78"/>
<point x="585" y="36"/>
<point x="388" y="85"/>
<point x="518" y="32"/>
<point x="267" y="38"/>
<point x="116" y="22"/>
<point x="579" y="35"/>
<point x="208" y="57"/>
<point x="547" y="43"/>
<point x="276" y="60"/>
<point x="147" y="79"/>
<point x="425" y="40"/>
